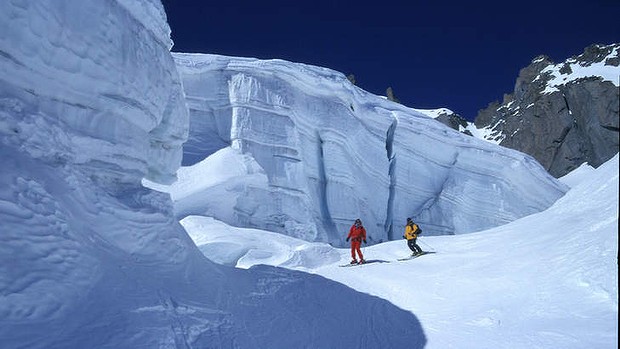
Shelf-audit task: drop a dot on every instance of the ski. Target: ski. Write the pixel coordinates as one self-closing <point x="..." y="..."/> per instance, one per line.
<point x="354" y="264"/>
<point x="366" y="262"/>
<point x="416" y="256"/>
<point x="349" y="265"/>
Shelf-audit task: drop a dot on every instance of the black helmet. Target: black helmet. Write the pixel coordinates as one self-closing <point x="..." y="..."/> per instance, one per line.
<point x="409" y="219"/>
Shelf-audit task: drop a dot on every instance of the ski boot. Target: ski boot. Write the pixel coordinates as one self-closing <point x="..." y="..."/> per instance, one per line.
<point x="353" y="261"/>
<point x="362" y="261"/>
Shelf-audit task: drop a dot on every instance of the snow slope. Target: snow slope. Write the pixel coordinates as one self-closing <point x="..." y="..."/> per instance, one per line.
<point x="577" y="175"/>
<point x="548" y="280"/>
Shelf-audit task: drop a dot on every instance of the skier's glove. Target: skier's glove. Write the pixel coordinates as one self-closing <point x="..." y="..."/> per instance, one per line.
<point x="347" y="239"/>
<point x="365" y="241"/>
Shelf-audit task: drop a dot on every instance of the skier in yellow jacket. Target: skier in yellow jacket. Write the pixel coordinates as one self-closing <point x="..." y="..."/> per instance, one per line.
<point x="411" y="234"/>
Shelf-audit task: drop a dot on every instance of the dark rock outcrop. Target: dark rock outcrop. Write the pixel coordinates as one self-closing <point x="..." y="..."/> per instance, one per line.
<point x="454" y="121"/>
<point x="562" y="114"/>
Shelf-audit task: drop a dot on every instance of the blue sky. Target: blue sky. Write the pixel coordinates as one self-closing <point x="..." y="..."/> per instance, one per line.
<point x="460" y="56"/>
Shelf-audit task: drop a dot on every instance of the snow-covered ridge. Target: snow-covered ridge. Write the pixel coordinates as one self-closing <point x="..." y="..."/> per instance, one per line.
<point x="434" y="113"/>
<point x="542" y="76"/>
<point x="561" y="114"/>
<point x="151" y="14"/>
<point x="573" y="69"/>
<point x="332" y="152"/>
<point x="489" y="134"/>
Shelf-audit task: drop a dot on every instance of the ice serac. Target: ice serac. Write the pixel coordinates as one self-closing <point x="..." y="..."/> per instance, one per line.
<point x="333" y="152"/>
<point x="83" y="119"/>
<point x="90" y="104"/>
<point x="80" y="86"/>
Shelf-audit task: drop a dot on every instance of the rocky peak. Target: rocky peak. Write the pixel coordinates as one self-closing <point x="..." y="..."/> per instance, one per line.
<point x="599" y="53"/>
<point x="562" y="114"/>
<point x="454" y="120"/>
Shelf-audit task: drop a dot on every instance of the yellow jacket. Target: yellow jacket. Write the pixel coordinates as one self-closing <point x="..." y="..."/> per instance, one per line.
<point x="411" y="231"/>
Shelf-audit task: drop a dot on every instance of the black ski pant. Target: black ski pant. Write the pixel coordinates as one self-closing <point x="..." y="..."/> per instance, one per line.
<point x="413" y="246"/>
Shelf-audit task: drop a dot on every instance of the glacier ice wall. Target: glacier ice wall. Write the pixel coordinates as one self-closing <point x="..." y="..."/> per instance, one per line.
<point x="66" y="68"/>
<point x="90" y="104"/>
<point x="333" y="152"/>
<point x="82" y="120"/>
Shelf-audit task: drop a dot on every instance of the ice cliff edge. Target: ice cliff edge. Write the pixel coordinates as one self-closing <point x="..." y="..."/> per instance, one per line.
<point x="332" y="152"/>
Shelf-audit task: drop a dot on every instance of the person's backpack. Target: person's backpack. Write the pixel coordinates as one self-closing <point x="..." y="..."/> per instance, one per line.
<point x="417" y="231"/>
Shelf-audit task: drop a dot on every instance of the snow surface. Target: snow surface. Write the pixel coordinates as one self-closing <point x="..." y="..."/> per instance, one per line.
<point x="488" y="133"/>
<point x="434" y="113"/>
<point x="577" y="175"/>
<point x="549" y="280"/>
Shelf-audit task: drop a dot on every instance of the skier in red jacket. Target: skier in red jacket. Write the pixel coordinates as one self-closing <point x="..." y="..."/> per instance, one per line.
<point x="357" y="234"/>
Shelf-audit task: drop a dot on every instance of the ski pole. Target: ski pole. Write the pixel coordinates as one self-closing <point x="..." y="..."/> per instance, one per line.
<point x="427" y="245"/>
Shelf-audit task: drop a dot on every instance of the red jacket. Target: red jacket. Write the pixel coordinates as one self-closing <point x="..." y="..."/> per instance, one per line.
<point x="358" y="233"/>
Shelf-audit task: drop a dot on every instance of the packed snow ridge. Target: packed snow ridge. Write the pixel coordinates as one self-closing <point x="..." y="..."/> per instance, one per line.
<point x="318" y="152"/>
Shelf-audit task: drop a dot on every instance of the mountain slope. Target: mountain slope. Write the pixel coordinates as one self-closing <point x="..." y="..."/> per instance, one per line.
<point x="548" y="280"/>
<point x="562" y="114"/>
